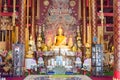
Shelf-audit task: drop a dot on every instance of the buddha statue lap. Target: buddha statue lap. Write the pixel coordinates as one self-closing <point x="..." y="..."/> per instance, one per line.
<point x="39" y="41"/>
<point x="32" y="44"/>
<point x="32" y="48"/>
<point x="30" y="61"/>
<point x="30" y="53"/>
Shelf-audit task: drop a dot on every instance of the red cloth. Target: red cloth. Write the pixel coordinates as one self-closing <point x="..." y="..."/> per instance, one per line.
<point x="117" y="74"/>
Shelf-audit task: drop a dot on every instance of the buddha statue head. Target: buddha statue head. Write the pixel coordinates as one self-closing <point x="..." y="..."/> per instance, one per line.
<point x="60" y="30"/>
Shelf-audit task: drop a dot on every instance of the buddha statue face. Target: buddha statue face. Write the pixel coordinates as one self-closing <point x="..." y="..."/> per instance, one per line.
<point x="60" y="31"/>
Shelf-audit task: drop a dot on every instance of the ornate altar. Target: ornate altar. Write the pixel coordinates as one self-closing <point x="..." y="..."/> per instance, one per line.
<point x="59" y="41"/>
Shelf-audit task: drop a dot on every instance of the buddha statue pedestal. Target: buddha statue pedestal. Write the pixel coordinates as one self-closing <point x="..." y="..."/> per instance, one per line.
<point x="61" y="50"/>
<point x="30" y="62"/>
<point x="78" y="62"/>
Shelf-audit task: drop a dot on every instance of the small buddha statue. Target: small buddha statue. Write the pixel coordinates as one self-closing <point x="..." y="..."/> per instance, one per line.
<point x="44" y="47"/>
<point x="70" y="41"/>
<point x="74" y="48"/>
<point x="79" y="44"/>
<point x="32" y="44"/>
<point x="49" y="42"/>
<point x="78" y="36"/>
<point x="88" y="54"/>
<point x="30" y="53"/>
<point x="39" y="41"/>
<point x="60" y="39"/>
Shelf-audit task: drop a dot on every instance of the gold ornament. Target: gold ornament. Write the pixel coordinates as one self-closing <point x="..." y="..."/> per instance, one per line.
<point x="46" y="2"/>
<point x="72" y="3"/>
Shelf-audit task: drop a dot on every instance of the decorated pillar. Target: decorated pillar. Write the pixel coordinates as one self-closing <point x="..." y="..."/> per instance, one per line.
<point x="94" y="21"/>
<point x="22" y="19"/>
<point x="84" y="23"/>
<point x="116" y="38"/>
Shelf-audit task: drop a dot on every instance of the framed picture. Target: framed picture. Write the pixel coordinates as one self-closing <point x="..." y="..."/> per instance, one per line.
<point x="18" y="58"/>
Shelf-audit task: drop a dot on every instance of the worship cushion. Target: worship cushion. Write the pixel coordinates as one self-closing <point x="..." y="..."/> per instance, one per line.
<point x="50" y="72"/>
<point x="69" y="72"/>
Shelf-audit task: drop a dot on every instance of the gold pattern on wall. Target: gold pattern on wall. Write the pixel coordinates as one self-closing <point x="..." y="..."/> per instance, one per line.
<point x="72" y="3"/>
<point x="46" y="2"/>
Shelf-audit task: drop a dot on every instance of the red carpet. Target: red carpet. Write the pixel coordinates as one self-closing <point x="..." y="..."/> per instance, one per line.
<point x="93" y="78"/>
<point x="15" y="78"/>
<point x="101" y="78"/>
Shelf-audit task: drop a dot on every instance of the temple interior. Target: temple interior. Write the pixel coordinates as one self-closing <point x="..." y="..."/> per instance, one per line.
<point x="54" y="37"/>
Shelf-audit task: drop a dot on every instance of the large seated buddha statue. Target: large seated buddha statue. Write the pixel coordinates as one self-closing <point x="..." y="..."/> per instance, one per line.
<point x="60" y="39"/>
<point x="60" y="43"/>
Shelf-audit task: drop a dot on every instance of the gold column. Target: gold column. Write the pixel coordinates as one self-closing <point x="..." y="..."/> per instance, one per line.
<point x="6" y="39"/>
<point x="100" y="28"/>
<point x="102" y="24"/>
<point x="94" y="21"/>
<point x="27" y="29"/>
<point x="16" y="33"/>
<point x="84" y="23"/>
<point x="14" y="25"/>
<point x="14" y="14"/>
<point x="9" y="37"/>
<point x="79" y="10"/>
<point x="13" y="22"/>
<point x="22" y="21"/>
<point x="33" y="20"/>
<point x="89" y="27"/>
<point x="38" y="9"/>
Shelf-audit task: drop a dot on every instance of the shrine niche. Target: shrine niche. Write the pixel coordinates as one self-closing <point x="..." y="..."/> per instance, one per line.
<point x="5" y="30"/>
<point x="59" y="14"/>
<point x="58" y="44"/>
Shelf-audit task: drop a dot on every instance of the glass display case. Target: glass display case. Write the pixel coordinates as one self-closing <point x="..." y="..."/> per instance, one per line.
<point x="97" y="60"/>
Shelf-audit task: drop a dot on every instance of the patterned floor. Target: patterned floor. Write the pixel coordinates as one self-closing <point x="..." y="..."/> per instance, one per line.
<point x="92" y="77"/>
<point x="50" y="77"/>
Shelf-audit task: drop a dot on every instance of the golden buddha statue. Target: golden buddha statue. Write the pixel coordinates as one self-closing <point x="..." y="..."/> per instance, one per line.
<point x="39" y="41"/>
<point x="88" y="54"/>
<point x="32" y="44"/>
<point x="30" y="53"/>
<point x="74" y="48"/>
<point x="44" y="47"/>
<point x="78" y="36"/>
<point x="60" y="39"/>
<point x="49" y="42"/>
<point x="79" y="44"/>
<point x="70" y="41"/>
